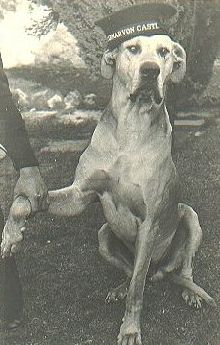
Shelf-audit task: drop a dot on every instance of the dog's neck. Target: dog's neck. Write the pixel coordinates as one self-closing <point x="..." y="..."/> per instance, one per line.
<point x="135" y="113"/>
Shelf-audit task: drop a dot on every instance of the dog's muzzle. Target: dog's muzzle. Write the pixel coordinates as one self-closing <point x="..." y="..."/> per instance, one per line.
<point x="147" y="90"/>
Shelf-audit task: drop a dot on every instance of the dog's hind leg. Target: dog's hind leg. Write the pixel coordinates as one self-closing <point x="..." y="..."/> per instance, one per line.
<point x="174" y="257"/>
<point x="193" y="241"/>
<point x="183" y="249"/>
<point x="116" y="253"/>
<point x="184" y="245"/>
<point x="192" y="294"/>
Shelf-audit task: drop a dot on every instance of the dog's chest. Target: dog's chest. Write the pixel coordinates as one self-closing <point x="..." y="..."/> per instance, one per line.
<point x="124" y="179"/>
<point x="122" y="196"/>
<point x="128" y="176"/>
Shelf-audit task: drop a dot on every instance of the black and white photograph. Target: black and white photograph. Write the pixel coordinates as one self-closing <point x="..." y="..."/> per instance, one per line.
<point x="109" y="172"/>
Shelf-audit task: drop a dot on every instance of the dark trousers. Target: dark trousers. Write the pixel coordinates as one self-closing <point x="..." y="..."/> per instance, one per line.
<point x="11" y="299"/>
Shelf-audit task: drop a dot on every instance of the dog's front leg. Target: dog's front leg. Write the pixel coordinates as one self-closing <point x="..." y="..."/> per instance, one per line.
<point x="130" y="333"/>
<point x="70" y="201"/>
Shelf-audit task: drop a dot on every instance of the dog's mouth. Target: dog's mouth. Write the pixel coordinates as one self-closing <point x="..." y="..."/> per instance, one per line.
<point x="147" y="93"/>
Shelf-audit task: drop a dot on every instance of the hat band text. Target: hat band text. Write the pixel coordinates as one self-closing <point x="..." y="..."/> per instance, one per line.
<point x="135" y="29"/>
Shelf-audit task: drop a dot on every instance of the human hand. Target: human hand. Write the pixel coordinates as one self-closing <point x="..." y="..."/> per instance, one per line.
<point x="12" y="234"/>
<point x="32" y="186"/>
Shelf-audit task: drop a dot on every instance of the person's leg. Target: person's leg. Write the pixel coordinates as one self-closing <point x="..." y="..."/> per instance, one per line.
<point x="11" y="299"/>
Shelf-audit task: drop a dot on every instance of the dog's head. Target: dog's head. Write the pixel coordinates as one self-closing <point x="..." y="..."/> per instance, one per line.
<point x="144" y="65"/>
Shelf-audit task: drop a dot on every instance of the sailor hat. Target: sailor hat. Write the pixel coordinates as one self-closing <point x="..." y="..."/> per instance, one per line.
<point x="147" y="19"/>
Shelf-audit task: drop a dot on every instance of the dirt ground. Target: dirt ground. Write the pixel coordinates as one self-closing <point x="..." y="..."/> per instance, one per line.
<point x="66" y="281"/>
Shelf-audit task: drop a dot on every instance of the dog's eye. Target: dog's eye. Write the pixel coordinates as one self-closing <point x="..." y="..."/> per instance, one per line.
<point x="163" y="52"/>
<point x="133" y="49"/>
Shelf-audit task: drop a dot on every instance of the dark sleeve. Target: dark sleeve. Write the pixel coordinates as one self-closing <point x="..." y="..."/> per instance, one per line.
<point x="13" y="135"/>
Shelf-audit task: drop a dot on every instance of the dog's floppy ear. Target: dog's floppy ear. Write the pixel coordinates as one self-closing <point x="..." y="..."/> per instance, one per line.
<point x="179" y="65"/>
<point x="108" y="63"/>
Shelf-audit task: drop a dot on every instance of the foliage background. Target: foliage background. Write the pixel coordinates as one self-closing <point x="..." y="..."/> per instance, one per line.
<point x="196" y="27"/>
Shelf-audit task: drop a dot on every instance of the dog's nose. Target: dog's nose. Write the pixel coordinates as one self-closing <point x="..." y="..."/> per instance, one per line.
<point x="150" y="70"/>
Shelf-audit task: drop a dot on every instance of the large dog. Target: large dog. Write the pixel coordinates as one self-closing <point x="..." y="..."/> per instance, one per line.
<point x="129" y="168"/>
